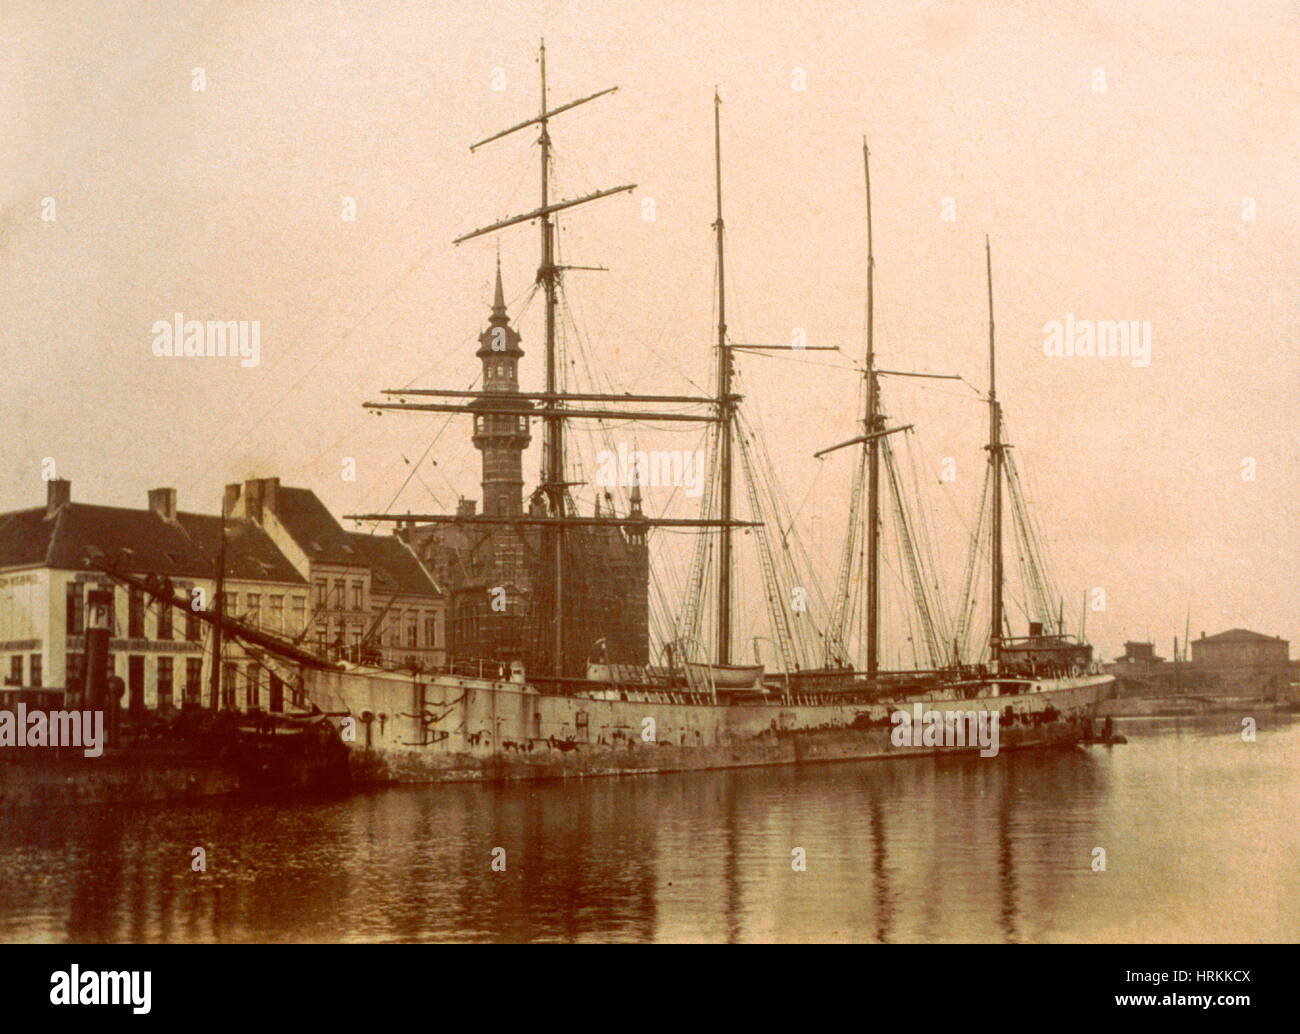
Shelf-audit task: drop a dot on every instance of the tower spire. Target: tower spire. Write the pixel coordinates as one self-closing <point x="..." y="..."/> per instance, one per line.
<point x="499" y="298"/>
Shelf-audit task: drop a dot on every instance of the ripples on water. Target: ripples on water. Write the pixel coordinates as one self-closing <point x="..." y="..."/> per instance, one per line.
<point x="1199" y="828"/>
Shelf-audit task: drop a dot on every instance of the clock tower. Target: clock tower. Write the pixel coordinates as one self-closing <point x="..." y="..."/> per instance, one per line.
<point x="501" y="437"/>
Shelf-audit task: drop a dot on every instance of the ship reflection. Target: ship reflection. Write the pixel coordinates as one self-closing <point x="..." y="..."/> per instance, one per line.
<point x="958" y="849"/>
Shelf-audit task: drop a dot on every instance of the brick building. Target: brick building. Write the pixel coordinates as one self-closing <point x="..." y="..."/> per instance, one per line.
<point x="497" y="578"/>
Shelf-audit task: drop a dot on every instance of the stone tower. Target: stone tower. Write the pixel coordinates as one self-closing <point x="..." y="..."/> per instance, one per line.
<point x="501" y="437"/>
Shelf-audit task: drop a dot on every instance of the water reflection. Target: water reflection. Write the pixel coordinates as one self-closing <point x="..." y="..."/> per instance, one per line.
<point x="1198" y="828"/>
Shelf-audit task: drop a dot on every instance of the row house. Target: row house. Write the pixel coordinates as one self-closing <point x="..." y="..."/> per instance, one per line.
<point x="48" y="564"/>
<point x="372" y="599"/>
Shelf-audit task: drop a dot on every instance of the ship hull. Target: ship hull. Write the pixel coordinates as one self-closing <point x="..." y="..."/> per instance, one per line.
<point x="481" y="730"/>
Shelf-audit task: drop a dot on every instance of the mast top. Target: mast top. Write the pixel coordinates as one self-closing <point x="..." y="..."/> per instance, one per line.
<point x="988" y="266"/>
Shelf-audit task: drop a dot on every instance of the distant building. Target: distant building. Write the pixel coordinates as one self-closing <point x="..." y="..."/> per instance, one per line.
<point x="1139" y="653"/>
<point x="1241" y="648"/>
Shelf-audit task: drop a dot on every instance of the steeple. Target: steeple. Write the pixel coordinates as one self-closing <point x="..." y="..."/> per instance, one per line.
<point x="499" y="299"/>
<point x="501" y="437"/>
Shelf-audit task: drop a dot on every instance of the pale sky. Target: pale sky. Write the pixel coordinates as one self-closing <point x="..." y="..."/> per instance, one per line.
<point x="1130" y="161"/>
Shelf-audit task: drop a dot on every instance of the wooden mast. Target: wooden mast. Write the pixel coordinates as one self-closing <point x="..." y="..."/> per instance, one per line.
<point x="556" y="404"/>
<point x="872" y="445"/>
<point x="725" y="408"/>
<point x="995" y="459"/>
<point x="553" y="485"/>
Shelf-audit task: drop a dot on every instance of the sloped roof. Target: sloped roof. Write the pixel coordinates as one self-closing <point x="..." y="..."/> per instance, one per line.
<point x="1238" y="635"/>
<point x="25" y="537"/>
<point x="83" y="535"/>
<point x="314" y="528"/>
<point x="250" y="553"/>
<point x="393" y="567"/>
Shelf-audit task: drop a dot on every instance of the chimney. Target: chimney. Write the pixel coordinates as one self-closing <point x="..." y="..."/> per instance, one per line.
<point x="1035" y="629"/>
<point x="261" y="495"/>
<point x="58" y="494"/>
<point x="271" y="495"/>
<point x="162" y="501"/>
<point x="465" y="508"/>
<point x="230" y="501"/>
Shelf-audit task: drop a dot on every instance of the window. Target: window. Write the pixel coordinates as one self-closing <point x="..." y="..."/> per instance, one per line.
<point x="193" y="681"/>
<point x="357" y="589"/>
<point x="135" y="683"/>
<point x="275" y="606"/>
<point x="340" y="593"/>
<point x="36" y="671"/>
<point x="320" y="591"/>
<point x="16" y="670"/>
<point x="164" y="683"/>
<point x="229" y="673"/>
<point x="430" y="630"/>
<point x="191" y="626"/>
<point x="411" y="634"/>
<point x="254" y="607"/>
<point x="76" y="618"/>
<point x="76" y="669"/>
<point x="135" y="615"/>
<point x="253" y="689"/>
<point x="231" y="604"/>
<point x="164" y="621"/>
<point x="299" y="613"/>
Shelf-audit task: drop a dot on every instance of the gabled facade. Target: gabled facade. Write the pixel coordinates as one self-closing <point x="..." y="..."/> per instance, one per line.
<point x="371" y="598"/>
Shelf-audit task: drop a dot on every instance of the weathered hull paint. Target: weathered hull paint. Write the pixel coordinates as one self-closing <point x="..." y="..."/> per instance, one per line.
<point x="483" y="730"/>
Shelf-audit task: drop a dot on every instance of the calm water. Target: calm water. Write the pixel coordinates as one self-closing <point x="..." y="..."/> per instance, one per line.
<point x="1200" y="832"/>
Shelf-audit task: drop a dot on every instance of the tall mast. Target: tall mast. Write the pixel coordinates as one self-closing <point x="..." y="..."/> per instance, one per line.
<point x="995" y="459"/>
<point x="870" y="426"/>
<point x="553" y="424"/>
<point x="725" y="407"/>
<point x="556" y="406"/>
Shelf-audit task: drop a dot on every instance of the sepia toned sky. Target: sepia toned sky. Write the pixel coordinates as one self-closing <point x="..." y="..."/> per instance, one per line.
<point x="1128" y="161"/>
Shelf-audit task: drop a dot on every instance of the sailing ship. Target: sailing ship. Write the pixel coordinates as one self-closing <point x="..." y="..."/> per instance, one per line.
<point x="499" y="718"/>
